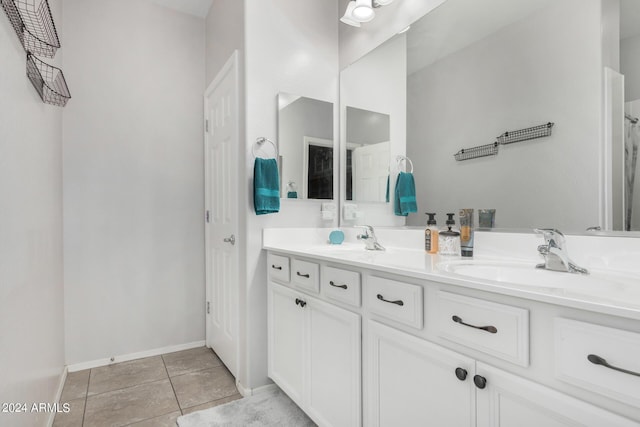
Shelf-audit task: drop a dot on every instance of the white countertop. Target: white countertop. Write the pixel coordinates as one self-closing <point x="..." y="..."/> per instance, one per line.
<point x="617" y="294"/>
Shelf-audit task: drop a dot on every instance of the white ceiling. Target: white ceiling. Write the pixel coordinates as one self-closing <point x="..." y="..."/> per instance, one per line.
<point x="198" y="8"/>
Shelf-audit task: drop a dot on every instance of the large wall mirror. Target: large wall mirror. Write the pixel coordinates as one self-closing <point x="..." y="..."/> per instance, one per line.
<point x="305" y="137"/>
<point x="469" y="71"/>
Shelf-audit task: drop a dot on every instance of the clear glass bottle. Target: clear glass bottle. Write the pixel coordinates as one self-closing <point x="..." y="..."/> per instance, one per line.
<point x="449" y="240"/>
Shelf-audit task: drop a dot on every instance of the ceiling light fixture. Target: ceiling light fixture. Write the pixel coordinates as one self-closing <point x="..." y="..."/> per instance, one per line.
<point x="348" y="17"/>
<point x="363" y="11"/>
<point x="359" y="11"/>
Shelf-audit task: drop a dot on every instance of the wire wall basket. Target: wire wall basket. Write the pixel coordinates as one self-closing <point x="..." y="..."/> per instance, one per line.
<point x="534" y="132"/>
<point x="475" y="152"/>
<point x="506" y="138"/>
<point x="33" y="23"/>
<point x="48" y="81"/>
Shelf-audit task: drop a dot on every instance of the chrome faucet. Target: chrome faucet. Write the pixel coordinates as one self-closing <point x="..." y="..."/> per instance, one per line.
<point x="370" y="239"/>
<point x="555" y="254"/>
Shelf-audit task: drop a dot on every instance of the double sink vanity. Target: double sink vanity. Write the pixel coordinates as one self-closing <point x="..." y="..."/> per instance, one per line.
<point x="402" y="338"/>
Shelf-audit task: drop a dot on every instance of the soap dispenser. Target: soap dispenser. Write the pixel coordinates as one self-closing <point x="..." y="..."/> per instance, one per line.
<point x="292" y="190"/>
<point x="449" y="240"/>
<point x="431" y="235"/>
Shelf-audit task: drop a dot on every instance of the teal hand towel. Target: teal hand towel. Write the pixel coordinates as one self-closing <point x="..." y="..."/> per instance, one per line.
<point x="266" y="186"/>
<point x="405" y="197"/>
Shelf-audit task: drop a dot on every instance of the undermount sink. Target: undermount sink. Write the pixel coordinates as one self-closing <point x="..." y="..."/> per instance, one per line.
<point x="524" y="273"/>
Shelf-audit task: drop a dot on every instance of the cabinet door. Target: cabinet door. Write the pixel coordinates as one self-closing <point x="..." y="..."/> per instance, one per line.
<point x="286" y="341"/>
<point x="414" y="383"/>
<point x="334" y="371"/>
<point x="511" y="401"/>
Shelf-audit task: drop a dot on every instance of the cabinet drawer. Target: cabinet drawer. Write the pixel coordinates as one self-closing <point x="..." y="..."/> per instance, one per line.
<point x="394" y="300"/>
<point x="278" y="267"/>
<point x="576" y="341"/>
<point x="305" y="275"/>
<point x="496" y="329"/>
<point x="341" y="285"/>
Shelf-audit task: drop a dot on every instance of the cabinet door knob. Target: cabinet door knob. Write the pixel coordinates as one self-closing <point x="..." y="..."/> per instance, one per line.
<point x="276" y="267"/>
<point x="302" y="275"/>
<point x="461" y="374"/>
<point x="300" y="302"/>
<point x="480" y="382"/>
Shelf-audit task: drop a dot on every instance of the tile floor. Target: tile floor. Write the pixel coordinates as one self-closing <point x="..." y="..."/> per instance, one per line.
<point x="150" y="392"/>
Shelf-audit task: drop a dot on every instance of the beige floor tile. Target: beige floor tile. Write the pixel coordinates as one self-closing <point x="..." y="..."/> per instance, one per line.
<point x="200" y="387"/>
<point x="168" y="420"/>
<point x="126" y="374"/>
<point x="196" y="359"/>
<point x="75" y="386"/>
<point x="130" y="405"/>
<point x="73" y="418"/>
<point x="211" y="404"/>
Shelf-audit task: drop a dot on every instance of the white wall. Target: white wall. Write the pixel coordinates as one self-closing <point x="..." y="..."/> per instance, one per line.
<point x="224" y="34"/>
<point x="378" y="82"/>
<point x="537" y="70"/>
<point x="356" y="42"/>
<point x="291" y="46"/>
<point x="133" y="178"/>
<point x="31" y="279"/>
<point x="630" y="67"/>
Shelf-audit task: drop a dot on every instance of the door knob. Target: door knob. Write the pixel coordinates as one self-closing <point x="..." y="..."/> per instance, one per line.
<point x="231" y="239"/>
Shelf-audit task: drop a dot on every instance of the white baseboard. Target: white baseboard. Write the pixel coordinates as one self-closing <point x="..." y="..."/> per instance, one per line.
<point x="132" y="356"/>
<point x="61" y="381"/>
<point x="246" y="392"/>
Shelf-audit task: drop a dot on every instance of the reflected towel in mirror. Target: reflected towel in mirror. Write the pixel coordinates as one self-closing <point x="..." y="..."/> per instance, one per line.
<point x="405" y="197"/>
<point x="266" y="186"/>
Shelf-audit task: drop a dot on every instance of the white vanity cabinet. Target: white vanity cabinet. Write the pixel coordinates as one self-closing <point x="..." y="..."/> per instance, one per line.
<point x="368" y="347"/>
<point x="412" y="382"/>
<point x="314" y="355"/>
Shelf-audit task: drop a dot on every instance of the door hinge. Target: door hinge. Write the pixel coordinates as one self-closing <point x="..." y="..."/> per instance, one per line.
<point x="207" y="216"/>
<point x="206" y="125"/>
<point x="208" y="307"/>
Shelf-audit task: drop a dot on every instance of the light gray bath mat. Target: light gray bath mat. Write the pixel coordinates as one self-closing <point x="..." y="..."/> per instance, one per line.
<point x="272" y="408"/>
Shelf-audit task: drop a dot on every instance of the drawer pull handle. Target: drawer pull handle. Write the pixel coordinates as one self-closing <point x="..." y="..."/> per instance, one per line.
<point x="276" y="267"/>
<point x="332" y="283"/>
<point x="597" y="360"/>
<point x="491" y="329"/>
<point x="480" y="382"/>
<point x="461" y="374"/>
<point x="398" y="302"/>
<point x="300" y="302"/>
<point x="302" y="275"/>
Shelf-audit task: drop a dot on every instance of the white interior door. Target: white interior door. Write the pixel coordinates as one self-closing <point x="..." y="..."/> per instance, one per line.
<point x="370" y="172"/>
<point x="221" y="188"/>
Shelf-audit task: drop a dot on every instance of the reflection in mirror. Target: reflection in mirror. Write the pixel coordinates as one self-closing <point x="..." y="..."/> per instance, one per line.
<point x="305" y="137"/>
<point x="630" y="68"/>
<point x="477" y="69"/>
<point x="376" y="85"/>
<point x="367" y="155"/>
